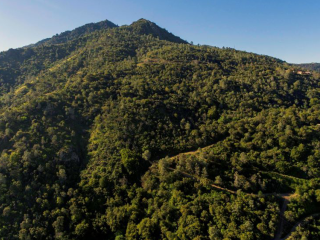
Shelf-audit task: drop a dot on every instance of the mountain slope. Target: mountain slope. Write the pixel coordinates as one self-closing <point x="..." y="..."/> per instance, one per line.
<point x="310" y="66"/>
<point x="16" y="65"/>
<point x="77" y="33"/>
<point x="84" y="139"/>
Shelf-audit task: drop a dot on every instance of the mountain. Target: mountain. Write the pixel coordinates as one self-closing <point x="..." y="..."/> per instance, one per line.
<point x="18" y="64"/>
<point x="146" y="27"/>
<point x="310" y="66"/>
<point x="77" y="33"/>
<point x="132" y="133"/>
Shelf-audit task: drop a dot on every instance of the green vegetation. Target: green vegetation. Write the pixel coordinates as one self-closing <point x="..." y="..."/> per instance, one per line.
<point x="309" y="228"/>
<point x="93" y="123"/>
<point x="310" y="66"/>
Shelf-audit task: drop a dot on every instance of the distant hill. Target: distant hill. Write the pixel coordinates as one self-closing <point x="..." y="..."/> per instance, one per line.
<point x="129" y="132"/>
<point x="310" y="66"/>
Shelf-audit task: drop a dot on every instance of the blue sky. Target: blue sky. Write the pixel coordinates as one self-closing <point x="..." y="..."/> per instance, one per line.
<point x="286" y="29"/>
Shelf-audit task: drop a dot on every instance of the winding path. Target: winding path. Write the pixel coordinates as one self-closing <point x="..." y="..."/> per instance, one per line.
<point x="300" y="223"/>
<point x="198" y="178"/>
<point x="281" y="221"/>
<point x="286" y="197"/>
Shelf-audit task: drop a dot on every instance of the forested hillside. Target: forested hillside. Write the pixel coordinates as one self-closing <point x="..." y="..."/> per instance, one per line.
<point x="310" y="66"/>
<point x="130" y="132"/>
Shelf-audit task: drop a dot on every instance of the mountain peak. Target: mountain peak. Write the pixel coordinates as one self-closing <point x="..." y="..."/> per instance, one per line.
<point x="144" y="26"/>
<point x="143" y="20"/>
<point x="78" y="32"/>
<point x="141" y="26"/>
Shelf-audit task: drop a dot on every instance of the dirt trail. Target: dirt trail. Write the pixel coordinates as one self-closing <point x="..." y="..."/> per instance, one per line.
<point x="300" y="223"/>
<point x="285" y="196"/>
<point x="198" y="178"/>
<point x="191" y="152"/>
<point x="282" y="218"/>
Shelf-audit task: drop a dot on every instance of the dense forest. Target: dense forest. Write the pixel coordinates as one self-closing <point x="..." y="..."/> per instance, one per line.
<point x="130" y="132"/>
